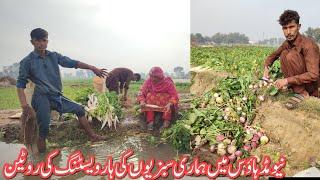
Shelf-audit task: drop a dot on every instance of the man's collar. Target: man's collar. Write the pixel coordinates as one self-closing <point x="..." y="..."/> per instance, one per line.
<point x="36" y="54"/>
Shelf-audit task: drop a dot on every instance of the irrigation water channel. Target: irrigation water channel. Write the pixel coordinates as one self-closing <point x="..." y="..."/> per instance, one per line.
<point x="132" y="136"/>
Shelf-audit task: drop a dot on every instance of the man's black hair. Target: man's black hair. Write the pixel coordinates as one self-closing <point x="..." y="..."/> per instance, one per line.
<point x="38" y="34"/>
<point x="288" y="16"/>
<point x="138" y="76"/>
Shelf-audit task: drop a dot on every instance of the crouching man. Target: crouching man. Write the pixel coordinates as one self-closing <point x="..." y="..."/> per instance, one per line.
<point x="42" y="68"/>
<point x="299" y="59"/>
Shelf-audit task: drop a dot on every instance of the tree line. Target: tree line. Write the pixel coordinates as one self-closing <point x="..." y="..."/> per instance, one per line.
<point x="219" y="38"/>
<point x="238" y="38"/>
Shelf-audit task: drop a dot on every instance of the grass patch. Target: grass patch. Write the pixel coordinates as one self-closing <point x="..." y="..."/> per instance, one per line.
<point x="9" y="98"/>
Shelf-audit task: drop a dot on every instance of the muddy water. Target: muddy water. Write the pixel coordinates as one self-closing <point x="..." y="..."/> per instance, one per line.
<point x="114" y="147"/>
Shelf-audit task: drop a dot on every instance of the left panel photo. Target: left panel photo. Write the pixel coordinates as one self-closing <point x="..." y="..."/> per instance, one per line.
<point x="97" y="76"/>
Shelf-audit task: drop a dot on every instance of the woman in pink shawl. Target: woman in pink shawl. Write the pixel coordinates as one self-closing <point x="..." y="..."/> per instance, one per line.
<point x="160" y="91"/>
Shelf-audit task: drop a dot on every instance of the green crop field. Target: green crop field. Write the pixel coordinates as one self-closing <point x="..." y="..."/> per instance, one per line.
<point x="9" y="98"/>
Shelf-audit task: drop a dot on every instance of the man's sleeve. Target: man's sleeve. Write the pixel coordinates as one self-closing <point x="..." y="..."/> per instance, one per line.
<point x="24" y="73"/>
<point x="274" y="56"/>
<point x="65" y="61"/>
<point x="311" y="56"/>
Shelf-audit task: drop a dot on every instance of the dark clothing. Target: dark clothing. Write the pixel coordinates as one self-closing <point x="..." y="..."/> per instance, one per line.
<point x="43" y="105"/>
<point x="119" y="78"/>
<point x="299" y="63"/>
<point x="45" y="74"/>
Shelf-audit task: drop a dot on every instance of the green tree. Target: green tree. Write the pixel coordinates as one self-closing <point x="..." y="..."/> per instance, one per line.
<point x="313" y="33"/>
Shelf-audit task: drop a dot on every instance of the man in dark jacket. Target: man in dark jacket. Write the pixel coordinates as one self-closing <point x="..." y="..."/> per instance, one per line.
<point x="119" y="79"/>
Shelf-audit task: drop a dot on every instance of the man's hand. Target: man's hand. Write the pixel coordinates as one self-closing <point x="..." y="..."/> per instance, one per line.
<point x="123" y="98"/>
<point x="266" y="72"/>
<point x="99" y="72"/>
<point x="168" y="107"/>
<point x="27" y="109"/>
<point x="280" y="83"/>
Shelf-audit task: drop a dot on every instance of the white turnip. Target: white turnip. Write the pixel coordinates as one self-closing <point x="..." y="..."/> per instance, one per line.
<point x="221" y="146"/>
<point x="221" y="152"/>
<point x="227" y="141"/>
<point x="219" y="100"/>
<point x="261" y="98"/>
<point x="231" y="149"/>
<point x="212" y="148"/>
<point x="244" y="98"/>
<point x="242" y="119"/>
<point x="264" y="140"/>
<point x="227" y="109"/>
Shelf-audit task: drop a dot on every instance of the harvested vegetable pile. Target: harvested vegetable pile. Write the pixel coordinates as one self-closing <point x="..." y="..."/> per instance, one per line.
<point x="221" y="119"/>
<point x="105" y="107"/>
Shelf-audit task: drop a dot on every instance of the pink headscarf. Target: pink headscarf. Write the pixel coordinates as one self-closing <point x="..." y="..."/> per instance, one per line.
<point x="166" y="85"/>
<point x="157" y="72"/>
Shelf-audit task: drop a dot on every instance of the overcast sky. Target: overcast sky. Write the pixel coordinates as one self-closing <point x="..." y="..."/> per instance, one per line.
<point x="137" y="34"/>
<point x="258" y="19"/>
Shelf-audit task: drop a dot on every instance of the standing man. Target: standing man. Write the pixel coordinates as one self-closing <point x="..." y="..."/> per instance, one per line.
<point x="119" y="79"/>
<point x="42" y="68"/>
<point x="299" y="59"/>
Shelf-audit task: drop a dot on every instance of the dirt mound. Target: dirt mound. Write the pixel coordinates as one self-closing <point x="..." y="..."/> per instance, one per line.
<point x="204" y="79"/>
<point x="7" y="81"/>
<point x="294" y="134"/>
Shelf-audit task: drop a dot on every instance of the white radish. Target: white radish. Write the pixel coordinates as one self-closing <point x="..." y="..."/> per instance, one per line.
<point x="215" y="95"/>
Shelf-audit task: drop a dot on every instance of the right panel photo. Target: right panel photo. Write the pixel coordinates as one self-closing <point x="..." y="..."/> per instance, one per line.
<point x="255" y="81"/>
